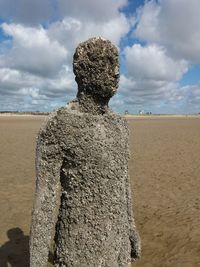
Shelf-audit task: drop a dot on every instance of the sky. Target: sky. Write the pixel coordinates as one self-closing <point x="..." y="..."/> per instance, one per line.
<point x="158" y="42"/>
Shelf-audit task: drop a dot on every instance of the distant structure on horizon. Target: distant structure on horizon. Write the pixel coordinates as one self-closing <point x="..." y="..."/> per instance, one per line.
<point x="24" y="112"/>
<point x="142" y="112"/>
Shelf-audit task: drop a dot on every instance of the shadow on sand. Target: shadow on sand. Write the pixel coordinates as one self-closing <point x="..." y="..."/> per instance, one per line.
<point x="15" y="252"/>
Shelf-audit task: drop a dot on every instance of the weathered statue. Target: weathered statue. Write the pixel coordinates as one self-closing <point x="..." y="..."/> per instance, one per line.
<point x="83" y="148"/>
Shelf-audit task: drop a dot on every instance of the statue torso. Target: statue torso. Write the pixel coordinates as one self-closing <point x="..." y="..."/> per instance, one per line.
<point x="93" y="176"/>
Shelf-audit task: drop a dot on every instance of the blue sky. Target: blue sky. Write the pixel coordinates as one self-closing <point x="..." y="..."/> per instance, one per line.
<point x="158" y="43"/>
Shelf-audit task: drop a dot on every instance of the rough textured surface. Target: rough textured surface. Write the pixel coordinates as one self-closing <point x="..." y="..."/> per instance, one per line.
<point x="96" y="66"/>
<point x="84" y="148"/>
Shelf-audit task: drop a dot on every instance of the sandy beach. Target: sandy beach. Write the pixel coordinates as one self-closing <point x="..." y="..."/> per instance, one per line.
<point x="164" y="172"/>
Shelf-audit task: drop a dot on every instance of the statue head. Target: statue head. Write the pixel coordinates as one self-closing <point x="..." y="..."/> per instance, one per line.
<point x="96" y="67"/>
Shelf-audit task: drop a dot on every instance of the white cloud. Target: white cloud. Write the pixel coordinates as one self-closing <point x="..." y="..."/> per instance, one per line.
<point x="36" y="61"/>
<point x="33" y="51"/>
<point x="85" y="19"/>
<point x="147" y="21"/>
<point x="151" y="62"/>
<point x="191" y="94"/>
<point x="145" y="91"/>
<point x="28" y="12"/>
<point x="90" y="10"/>
<point x="171" y="35"/>
<point x="20" y="90"/>
<point x="151" y="78"/>
<point x="174" y="24"/>
<point x="71" y="31"/>
<point x="158" y="97"/>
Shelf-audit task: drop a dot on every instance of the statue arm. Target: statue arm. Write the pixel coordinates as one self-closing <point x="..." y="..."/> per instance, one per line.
<point x="133" y="236"/>
<point x="48" y="164"/>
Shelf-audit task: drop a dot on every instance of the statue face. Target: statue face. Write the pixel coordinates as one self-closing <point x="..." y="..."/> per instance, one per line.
<point x="96" y="67"/>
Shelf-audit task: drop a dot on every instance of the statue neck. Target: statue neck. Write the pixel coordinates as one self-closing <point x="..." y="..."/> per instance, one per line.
<point x="92" y="104"/>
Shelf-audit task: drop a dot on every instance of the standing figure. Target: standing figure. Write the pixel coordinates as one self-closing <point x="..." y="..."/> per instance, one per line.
<point x="83" y="149"/>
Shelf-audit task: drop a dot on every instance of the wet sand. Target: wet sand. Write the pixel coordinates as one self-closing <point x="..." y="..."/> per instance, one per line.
<point x="164" y="170"/>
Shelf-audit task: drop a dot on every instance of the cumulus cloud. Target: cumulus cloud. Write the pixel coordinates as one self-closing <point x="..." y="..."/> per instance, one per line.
<point x="90" y="10"/>
<point x="146" y="21"/>
<point x="27" y="12"/>
<point x="36" y="57"/>
<point x="36" y="60"/>
<point x="23" y="91"/>
<point x="151" y="77"/>
<point x="146" y="91"/>
<point x="151" y="62"/>
<point x="169" y="31"/>
<point x="70" y="31"/>
<point x="174" y="24"/>
<point x="157" y="96"/>
<point x="191" y="94"/>
<point x="84" y="19"/>
<point x="32" y="50"/>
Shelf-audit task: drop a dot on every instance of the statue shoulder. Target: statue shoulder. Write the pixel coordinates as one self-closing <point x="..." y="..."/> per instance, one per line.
<point x="48" y="125"/>
<point x="58" y="124"/>
<point x="55" y="119"/>
<point x="118" y="119"/>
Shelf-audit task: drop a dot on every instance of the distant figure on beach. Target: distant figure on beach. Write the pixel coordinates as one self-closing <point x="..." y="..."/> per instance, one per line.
<point x="83" y="150"/>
